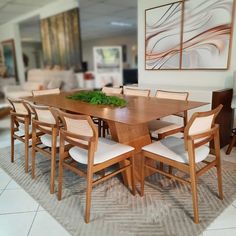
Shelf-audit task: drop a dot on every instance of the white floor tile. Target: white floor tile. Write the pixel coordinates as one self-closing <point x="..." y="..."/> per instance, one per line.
<point x="41" y="208"/>
<point x="13" y="201"/>
<point x="44" y="224"/>
<point x="13" y="185"/>
<point x="234" y="203"/>
<point x="220" y="232"/>
<point x="225" y="220"/>
<point x="16" y="224"/>
<point x="4" y="179"/>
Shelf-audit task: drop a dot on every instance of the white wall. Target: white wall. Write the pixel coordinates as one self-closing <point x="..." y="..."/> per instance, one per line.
<point x="195" y="78"/>
<point x="129" y="40"/>
<point x="11" y="29"/>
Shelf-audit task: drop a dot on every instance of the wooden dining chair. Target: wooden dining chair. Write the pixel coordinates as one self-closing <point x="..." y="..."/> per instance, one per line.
<point x="103" y="128"/>
<point x="97" y="153"/>
<point x="136" y="92"/>
<point x="160" y="129"/>
<point x="112" y="90"/>
<point x="185" y="154"/>
<point x="45" y="92"/>
<point x="20" y="127"/>
<point x="47" y="141"/>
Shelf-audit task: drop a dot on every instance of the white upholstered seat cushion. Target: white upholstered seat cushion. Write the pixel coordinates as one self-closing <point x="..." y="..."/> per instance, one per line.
<point x="21" y="130"/>
<point x="159" y="127"/>
<point x="46" y="139"/>
<point x="173" y="148"/>
<point x="106" y="150"/>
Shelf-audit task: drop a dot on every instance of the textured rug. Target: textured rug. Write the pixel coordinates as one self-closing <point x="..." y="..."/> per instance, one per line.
<point x="166" y="208"/>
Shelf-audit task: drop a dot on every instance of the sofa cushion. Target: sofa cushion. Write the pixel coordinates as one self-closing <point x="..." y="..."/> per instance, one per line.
<point x="29" y="86"/>
<point x="54" y="83"/>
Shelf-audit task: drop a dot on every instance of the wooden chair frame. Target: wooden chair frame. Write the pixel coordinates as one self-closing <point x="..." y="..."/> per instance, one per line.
<point x="191" y="143"/>
<point x="16" y="119"/>
<point x="183" y="115"/>
<point x="102" y="124"/>
<point x="37" y="93"/>
<point x="45" y="128"/>
<point x="66" y="136"/>
<point x="136" y="89"/>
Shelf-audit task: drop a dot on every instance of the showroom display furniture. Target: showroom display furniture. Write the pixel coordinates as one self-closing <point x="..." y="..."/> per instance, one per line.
<point x="20" y="127"/>
<point x="45" y="142"/>
<point x="97" y="153"/>
<point x="131" y="128"/>
<point x="102" y="125"/>
<point x="136" y="92"/>
<point x="39" y="79"/>
<point x="160" y="129"/>
<point x="45" y="92"/>
<point x="185" y="154"/>
<point x="112" y="90"/>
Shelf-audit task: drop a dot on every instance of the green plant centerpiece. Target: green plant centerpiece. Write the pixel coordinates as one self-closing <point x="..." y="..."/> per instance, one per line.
<point x="98" y="98"/>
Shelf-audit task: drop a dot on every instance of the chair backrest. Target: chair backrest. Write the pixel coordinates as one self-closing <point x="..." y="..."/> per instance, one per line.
<point x="45" y="92"/>
<point x="137" y="92"/>
<point x="200" y="123"/>
<point x="19" y="106"/>
<point x="45" y="116"/>
<point x="172" y="95"/>
<point x="79" y="129"/>
<point x="111" y="90"/>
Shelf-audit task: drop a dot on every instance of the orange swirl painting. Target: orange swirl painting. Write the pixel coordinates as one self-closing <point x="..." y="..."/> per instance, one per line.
<point x="189" y="35"/>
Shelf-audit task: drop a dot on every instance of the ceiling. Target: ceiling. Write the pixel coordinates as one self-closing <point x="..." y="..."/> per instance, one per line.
<point x="10" y="9"/>
<point x="95" y="17"/>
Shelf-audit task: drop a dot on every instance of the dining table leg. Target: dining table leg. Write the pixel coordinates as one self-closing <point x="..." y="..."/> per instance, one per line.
<point x="136" y="136"/>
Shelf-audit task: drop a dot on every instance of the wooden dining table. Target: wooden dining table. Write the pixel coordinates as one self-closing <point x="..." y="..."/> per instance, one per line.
<point x="128" y="125"/>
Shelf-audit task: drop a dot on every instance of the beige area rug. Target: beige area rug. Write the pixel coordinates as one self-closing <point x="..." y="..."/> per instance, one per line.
<point x="166" y="208"/>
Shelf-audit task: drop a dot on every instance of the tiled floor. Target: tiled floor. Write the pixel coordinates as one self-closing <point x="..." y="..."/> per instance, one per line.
<point x="21" y="215"/>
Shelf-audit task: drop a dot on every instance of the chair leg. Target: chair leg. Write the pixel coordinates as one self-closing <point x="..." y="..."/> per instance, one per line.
<point x="12" y="140"/>
<point x="231" y="145"/>
<point x="60" y="179"/>
<point x="60" y="169"/>
<point x="103" y="129"/>
<point x="26" y="146"/>
<point x="218" y="165"/>
<point x="34" y="139"/>
<point x="161" y="166"/>
<point x="99" y="127"/>
<point x="142" y="174"/>
<point x="133" y="175"/>
<point x="12" y="148"/>
<point x="88" y="196"/>
<point x="194" y="195"/>
<point x="53" y="160"/>
<point x="53" y="169"/>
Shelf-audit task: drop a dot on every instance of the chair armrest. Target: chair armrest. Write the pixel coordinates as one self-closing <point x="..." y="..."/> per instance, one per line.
<point x="203" y="137"/>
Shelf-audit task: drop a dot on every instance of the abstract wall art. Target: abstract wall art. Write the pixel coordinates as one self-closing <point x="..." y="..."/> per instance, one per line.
<point x="61" y="40"/>
<point x="189" y="35"/>
<point x="9" y="55"/>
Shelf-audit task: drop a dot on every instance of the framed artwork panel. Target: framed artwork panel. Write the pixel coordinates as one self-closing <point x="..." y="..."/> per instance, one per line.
<point x="189" y="35"/>
<point x="9" y="55"/>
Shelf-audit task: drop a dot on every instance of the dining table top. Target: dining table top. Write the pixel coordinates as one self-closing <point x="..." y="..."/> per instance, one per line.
<point x="139" y="110"/>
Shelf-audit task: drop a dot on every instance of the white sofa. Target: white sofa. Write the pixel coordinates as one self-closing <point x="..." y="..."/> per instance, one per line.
<point x="43" y="79"/>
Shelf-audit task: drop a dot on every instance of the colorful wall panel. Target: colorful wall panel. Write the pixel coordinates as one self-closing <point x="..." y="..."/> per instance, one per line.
<point x="61" y="40"/>
<point x="189" y="35"/>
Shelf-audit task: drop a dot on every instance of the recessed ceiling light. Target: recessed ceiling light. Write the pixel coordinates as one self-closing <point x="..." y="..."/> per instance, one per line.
<point x="121" y="24"/>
